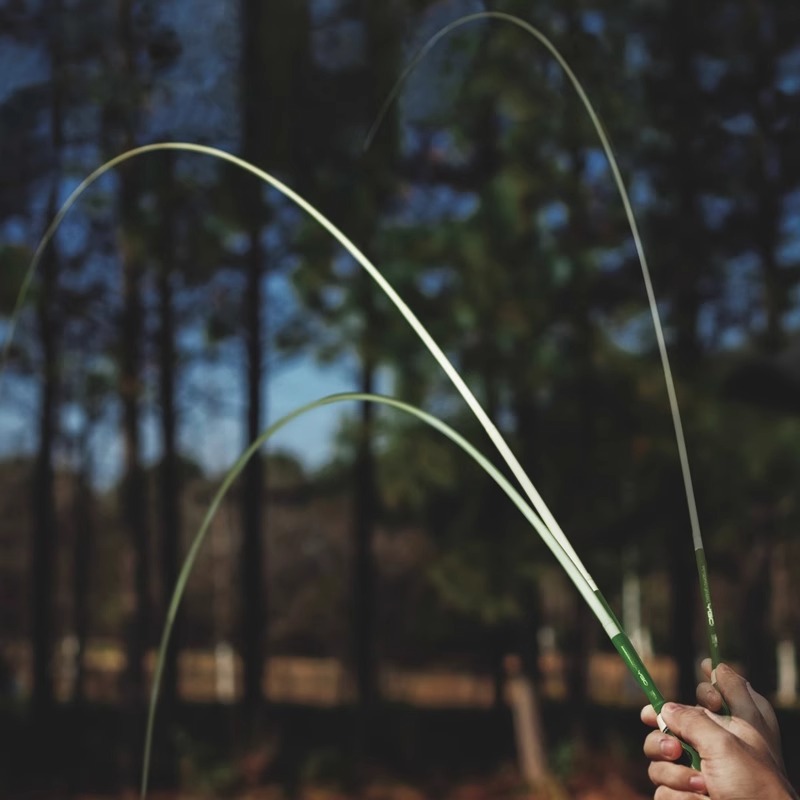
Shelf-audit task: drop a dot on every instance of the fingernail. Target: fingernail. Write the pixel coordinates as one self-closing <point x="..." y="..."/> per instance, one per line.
<point x="666" y="746"/>
<point x="697" y="783"/>
<point x="670" y="707"/>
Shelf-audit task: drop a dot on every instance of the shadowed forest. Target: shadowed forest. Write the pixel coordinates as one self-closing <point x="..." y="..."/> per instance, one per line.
<point x="367" y="597"/>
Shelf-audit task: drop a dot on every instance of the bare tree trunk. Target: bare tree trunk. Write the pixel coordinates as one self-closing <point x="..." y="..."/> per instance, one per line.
<point x="363" y="592"/>
<point x="136" y="569"/>
<point x="84" y="539"/>
<point x="170" y="485"/>
<point x="170" y="481"/>
<point x="683" y="592"/>
<point x="769" y="188"/>
<point x="134" y="507"/>
<point x="577" y="243"/>
<point x="274" y="35"/>
<point x="379" y="46"/>
<point x="681" y="563"/>
<point x="489" y="520"/>
<point x="254" y="598"/>
<point x="44" y="538"/>
<point x="528" y="728"/>
<point x="759" y="642"/>
<point x="44" y="510"/>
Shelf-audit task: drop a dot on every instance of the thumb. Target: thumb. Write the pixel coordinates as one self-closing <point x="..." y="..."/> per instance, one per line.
<point x="706" y="732"/>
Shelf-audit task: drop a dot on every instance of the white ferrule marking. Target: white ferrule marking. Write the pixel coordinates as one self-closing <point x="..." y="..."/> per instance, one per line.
<point x="662" y="726"/>
<point x="714" y="676"/>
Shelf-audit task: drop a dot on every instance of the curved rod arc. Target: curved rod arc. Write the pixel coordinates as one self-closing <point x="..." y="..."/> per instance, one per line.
<point x="459" y="383"/>
<point x="547" y="526"/>
<point x="677" y="424"/>
<point x="595" y="601"/>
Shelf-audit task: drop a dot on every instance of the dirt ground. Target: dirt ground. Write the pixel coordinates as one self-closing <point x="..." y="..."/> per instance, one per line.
<point x="610" y="787"/>
<point x="599" y="777"/>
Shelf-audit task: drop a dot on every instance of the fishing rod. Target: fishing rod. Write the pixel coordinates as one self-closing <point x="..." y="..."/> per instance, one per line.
<point x="564" y="550"/>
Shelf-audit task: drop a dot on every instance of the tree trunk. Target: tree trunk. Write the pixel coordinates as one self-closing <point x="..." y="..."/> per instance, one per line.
<point x="136" y="570"/>
<point x="684" y="597"/>
<point x="761" y="652"/>
<point x="254" y="20"/>
<point x="379" y="53"/>
<point x="576" y="243"/>
<point x="757" y="633"/>
<point x="681" y="562"/>
<point x="170" y="487"/>
<point x="44" y="507"/>
<point x="490" y="521"/>
<point x="273" y="35"/>
<point x="254" y="598"/>
<point x="364" y="563"/>
<point x="170" y="482"/>
<point x="768" y="179"/>
<point x="44" y="538"/>
<point x="84" y="539"/>
<point x="134" y="506"/>
<point x="528" y="728"/>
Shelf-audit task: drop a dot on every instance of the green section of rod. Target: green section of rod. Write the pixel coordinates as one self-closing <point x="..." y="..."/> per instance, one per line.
<point x="705" y="591"/>
<point x="640" y="672"/>
<point x="711" y="627"/>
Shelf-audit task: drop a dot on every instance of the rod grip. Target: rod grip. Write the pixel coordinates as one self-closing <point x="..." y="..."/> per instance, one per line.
<point x="689" y="752"/>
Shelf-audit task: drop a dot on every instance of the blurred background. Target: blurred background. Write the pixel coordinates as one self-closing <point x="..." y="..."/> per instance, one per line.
<point x="370" y="616"/>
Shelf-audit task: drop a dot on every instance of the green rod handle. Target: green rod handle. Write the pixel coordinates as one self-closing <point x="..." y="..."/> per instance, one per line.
<point x="640" y="672"/>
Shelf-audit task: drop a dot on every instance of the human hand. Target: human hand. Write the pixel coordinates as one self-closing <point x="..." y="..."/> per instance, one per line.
<point x="737" y="763"/>
<point x="744" y="702"/>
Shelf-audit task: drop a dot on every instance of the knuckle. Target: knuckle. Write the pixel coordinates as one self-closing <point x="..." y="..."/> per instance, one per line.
<point x="655" y="772"/>
<point x="651" y="742"/>
<point x="730" y="676"/>
<point x="691" y="714"/>
<point x="707" y="695"/>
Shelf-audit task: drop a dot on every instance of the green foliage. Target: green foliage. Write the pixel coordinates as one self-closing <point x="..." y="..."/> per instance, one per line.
<point x="327" y="767"/>
<point x="203" y="768"/>
<point x="465" y="587"/>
